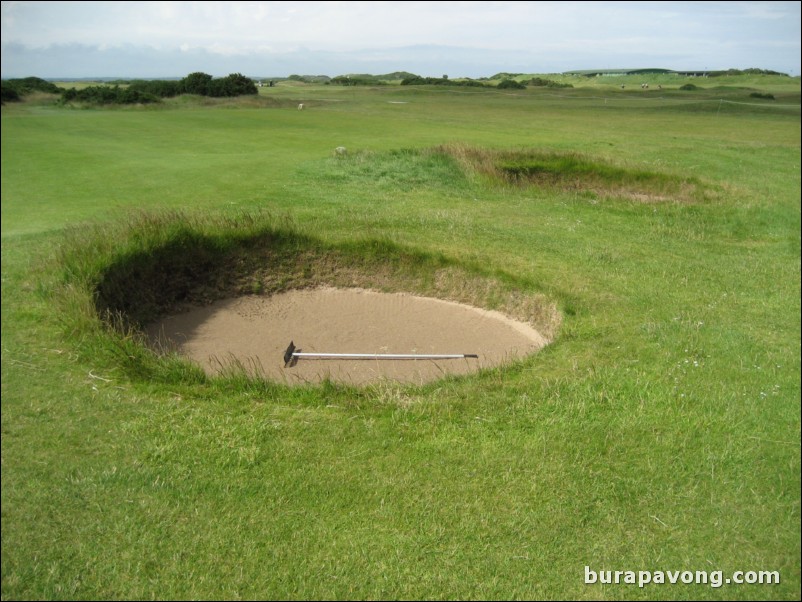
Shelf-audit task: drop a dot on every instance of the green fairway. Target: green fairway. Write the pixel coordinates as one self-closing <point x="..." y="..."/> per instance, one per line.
<point x="660" y="431"/>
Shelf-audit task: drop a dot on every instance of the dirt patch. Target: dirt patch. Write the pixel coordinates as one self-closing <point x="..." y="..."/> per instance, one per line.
<point x="253" y="333"/>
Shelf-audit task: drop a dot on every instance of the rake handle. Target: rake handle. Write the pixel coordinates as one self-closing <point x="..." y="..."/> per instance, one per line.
<point x="384" y="356"/>
<point x="290" y="354"/>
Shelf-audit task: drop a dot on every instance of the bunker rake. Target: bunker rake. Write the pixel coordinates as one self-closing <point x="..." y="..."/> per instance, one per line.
<point x="291" y="356"/>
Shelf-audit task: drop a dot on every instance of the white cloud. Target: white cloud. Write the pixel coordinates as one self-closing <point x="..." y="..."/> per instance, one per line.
<point x="560" y="35"/>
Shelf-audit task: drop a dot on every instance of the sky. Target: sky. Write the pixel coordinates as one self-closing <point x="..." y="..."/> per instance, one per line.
<point x="145" y="40"/>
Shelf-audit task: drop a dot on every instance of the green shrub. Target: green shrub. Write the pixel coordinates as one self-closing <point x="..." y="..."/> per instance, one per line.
<point x="196" y="83"/>
<point x="234" y="84"/>
<point x="510" y="84"/>
<point x="548" y="83"/>
<point x="106" y="95"/>
<point x="440" y="81"/>
<point x="8" y="93"/>
<point x="26" y="85"/>
<point x="157" y="87"/>
<point x="151" y="91"/>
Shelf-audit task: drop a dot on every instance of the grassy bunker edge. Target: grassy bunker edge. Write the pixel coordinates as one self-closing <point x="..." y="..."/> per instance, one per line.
<point x="117" y="278"/>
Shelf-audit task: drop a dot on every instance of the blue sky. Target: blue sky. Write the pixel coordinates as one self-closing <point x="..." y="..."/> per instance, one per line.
<point x="473" y="39"/>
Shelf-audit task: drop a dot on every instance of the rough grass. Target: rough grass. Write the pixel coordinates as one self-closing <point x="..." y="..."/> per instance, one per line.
<point x="660" y="430"/>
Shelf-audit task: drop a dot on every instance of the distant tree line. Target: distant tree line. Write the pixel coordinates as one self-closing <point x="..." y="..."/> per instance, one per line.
<point x="150" y="91"/>
<point x="135" y="91"/>
<point x="506" y="83"/>
<point x="236" y="84"/>
<point x="358" y="80"/>
<point x="417" y="80"/>
<point x="107" y="95"/>
<point x="752" y="71"/>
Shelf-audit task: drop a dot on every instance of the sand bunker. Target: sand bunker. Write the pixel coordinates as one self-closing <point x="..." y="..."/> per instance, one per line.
<point x="254" y="332"/>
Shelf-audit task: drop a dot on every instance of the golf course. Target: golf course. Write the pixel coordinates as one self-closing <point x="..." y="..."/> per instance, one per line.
<point x="649" y="235"/>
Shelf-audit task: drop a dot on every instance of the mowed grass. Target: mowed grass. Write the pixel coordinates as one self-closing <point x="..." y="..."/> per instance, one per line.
<point x="660" y="431"/>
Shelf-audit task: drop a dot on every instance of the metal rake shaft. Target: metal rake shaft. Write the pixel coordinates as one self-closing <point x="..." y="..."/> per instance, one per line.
<point x="291" y="355"/>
